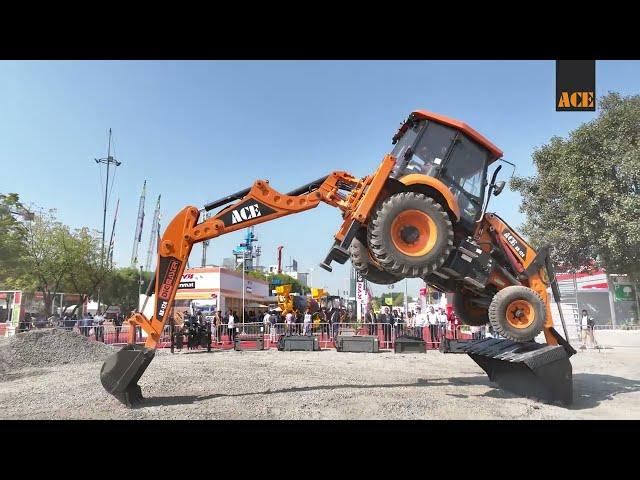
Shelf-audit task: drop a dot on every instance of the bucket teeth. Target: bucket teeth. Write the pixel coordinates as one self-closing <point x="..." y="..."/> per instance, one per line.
<point x="528" y="368"/>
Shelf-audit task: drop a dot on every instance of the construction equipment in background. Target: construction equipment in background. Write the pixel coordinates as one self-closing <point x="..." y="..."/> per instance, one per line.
<point x="421" y="214"/>
<point x="139" y="224"/>
<point x="153" y="238"/>
<point x="291" y="302"/>
<point x="113" y="237"/>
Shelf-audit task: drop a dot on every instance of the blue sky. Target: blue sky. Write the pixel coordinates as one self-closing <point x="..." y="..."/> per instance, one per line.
<point x="197" y="131"/>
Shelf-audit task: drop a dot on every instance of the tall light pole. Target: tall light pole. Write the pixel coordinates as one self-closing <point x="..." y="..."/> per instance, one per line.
<point x="311" y="277"/>
<point x="109" y="160"/>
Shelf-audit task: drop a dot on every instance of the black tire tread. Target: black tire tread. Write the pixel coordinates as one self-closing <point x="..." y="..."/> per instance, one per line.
<point x="360" y="261"/>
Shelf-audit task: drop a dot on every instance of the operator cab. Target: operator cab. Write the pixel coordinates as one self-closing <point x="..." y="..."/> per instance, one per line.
<point x="437" y="146"/>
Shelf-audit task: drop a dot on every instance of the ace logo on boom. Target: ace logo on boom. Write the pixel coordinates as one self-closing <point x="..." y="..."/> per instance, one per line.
<point x="245" y="213"/>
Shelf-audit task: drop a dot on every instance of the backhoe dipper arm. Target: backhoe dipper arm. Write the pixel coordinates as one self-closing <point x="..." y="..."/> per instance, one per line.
<point x="258" y="204"/>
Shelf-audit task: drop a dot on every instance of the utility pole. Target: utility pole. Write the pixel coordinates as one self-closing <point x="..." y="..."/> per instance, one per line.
<point x="109" y="160"/>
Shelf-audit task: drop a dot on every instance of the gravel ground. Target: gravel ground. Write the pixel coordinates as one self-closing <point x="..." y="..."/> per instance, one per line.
<point x="320" y="385"/>
<point x="47" y="347"/>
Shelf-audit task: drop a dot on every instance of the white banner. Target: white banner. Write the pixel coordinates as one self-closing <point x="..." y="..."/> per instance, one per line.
<point x="360" y="293"/>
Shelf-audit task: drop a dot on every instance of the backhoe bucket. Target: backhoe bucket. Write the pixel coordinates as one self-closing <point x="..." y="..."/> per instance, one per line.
<point x="530" y="369"/>
<point x="122" y="370"/>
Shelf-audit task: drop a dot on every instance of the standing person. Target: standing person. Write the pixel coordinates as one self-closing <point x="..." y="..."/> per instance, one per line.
<point x="225" y="325"/>
<point x="266" y="322"/>
<point x="400" y="323"/>
<point x="368" y="319"/>
<point x="231" y="324"/>
<point x="298" y="316"/>
<point x="98" y="329"/>
<point x="87" y="324"/>
<point x="442" y="323"/>
<point x="273" y="328"/>
<point x="432" y="320"/>
<point x="334" y="321"/>
<point x="324" y="319"/>
<point x="586" y="325"/>
<point x="307" y="322"/>
<point x="386" y="320"/>
<point x="455" y="323"/>
<point x="418" y="322"/>
<point x="117" y="324"/>
<point x="410" y="323"/>
<point x="290" y="321"/>
<point x="217" y="322"/>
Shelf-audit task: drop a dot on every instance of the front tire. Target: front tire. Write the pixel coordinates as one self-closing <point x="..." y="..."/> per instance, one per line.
<point x="467" y="311"/>
<point x="410" y="234"/>
<point x="517" y="313"/>
<point x="360" y="260"/>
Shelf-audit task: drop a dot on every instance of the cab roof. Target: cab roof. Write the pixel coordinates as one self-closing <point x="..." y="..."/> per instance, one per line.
<point x="495" y="152"/>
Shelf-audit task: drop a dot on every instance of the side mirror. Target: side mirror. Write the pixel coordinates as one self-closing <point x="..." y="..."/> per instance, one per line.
<point x="499" y="186"/>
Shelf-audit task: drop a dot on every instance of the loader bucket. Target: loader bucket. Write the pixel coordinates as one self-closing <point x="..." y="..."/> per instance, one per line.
<point x="529" y="369"/>
<point x="122" y="370"/>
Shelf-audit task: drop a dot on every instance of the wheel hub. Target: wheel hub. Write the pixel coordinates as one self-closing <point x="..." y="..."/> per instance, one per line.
<point x="414" y="233"/>
<point x="409" y="234"/>
<point x="520" y="314"/>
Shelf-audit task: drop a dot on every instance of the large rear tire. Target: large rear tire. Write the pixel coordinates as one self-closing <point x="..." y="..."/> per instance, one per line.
<point x="517" y="313"/>
<point x="468" y="312"/>
<point x="361" y="261"/>
<point x="410" y="234"/>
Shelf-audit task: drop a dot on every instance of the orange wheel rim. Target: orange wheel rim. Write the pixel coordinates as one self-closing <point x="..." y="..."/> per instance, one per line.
<point x="414" y="233"/>
<point x="520" y="314"/>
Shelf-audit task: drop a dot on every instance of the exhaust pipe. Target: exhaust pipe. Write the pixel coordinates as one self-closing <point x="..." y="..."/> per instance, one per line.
<point x="529" y="369"/>
<point x="122" y="370"/>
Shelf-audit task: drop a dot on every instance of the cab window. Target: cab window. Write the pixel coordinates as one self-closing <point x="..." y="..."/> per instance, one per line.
<point x="431" y="149"/>
<point x="465" y="167"/>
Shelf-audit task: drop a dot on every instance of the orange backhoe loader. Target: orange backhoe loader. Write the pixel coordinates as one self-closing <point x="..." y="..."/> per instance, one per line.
<point x="422" y="214"/>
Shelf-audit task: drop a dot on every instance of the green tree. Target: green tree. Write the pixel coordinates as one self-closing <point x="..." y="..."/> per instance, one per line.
<point x="12" y="238"/>
<point x="44" y="260"/>
<point x="398" y="301"/>
<point x="585" y="198"/>
<point x="85" y="270"/>
<point x="120" y="288"/>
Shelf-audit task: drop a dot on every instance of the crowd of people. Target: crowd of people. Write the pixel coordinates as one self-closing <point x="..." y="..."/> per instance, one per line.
<point x="431" y="325"/>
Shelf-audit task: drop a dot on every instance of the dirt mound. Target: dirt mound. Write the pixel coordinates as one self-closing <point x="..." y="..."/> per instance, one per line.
<point x="49" y="347"/>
